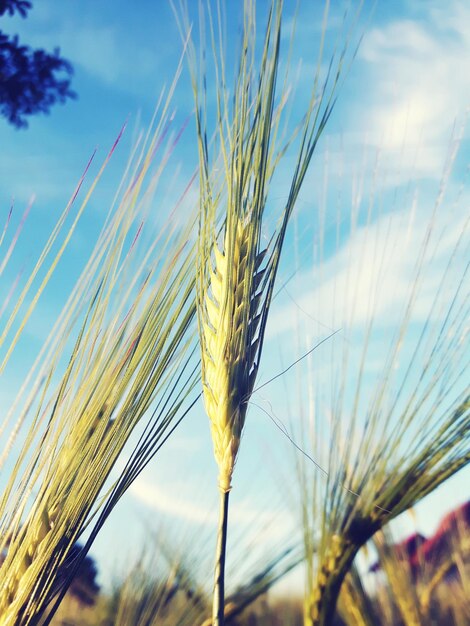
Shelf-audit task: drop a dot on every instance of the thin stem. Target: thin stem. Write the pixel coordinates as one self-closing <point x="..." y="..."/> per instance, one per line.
<point x="219" y="579"/>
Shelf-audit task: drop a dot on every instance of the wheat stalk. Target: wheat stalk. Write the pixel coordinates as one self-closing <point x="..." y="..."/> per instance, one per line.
<point x="354" y="604"/>
<point x="386" y="444"/>
<point x="133" y="358"/>
<point x="400" y="581"/>
<point x="408" y="582"/>
<point x="236" y="276"/>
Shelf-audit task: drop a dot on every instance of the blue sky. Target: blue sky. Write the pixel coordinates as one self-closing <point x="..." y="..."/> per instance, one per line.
<point x="403" y="104"/>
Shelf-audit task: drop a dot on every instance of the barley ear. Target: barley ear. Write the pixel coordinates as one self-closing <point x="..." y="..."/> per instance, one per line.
<point x="229" y="320"/>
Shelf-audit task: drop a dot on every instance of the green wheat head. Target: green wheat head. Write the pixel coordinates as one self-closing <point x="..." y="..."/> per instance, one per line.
<point x="238" y="158"/>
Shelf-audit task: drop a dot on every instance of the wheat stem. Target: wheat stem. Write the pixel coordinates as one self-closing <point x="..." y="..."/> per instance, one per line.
<point x="219" y="578"/>
<point x="236" y="270"/>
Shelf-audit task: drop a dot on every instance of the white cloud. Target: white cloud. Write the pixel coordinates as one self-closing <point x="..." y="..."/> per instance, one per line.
<point x="159" y="499"/>
<point x="97" y="50"/>
<point x="372" y="274"/>
<point x="180" y="501"/>
<point x="419" y="85"/>
<point x="24" y="176"/>
<point x="102" y="53"/>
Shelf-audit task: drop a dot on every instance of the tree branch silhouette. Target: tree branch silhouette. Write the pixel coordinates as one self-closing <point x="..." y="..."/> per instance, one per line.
<point x="31" y="81"/>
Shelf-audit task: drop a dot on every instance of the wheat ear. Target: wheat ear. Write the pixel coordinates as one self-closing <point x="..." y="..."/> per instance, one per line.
<point x="131" y="362"/>
<point x="235" y="279"/>
<point x="230" y="319"/>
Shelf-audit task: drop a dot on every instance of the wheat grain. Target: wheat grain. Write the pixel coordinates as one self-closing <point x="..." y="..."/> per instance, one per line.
<point x="229" y="320"/>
